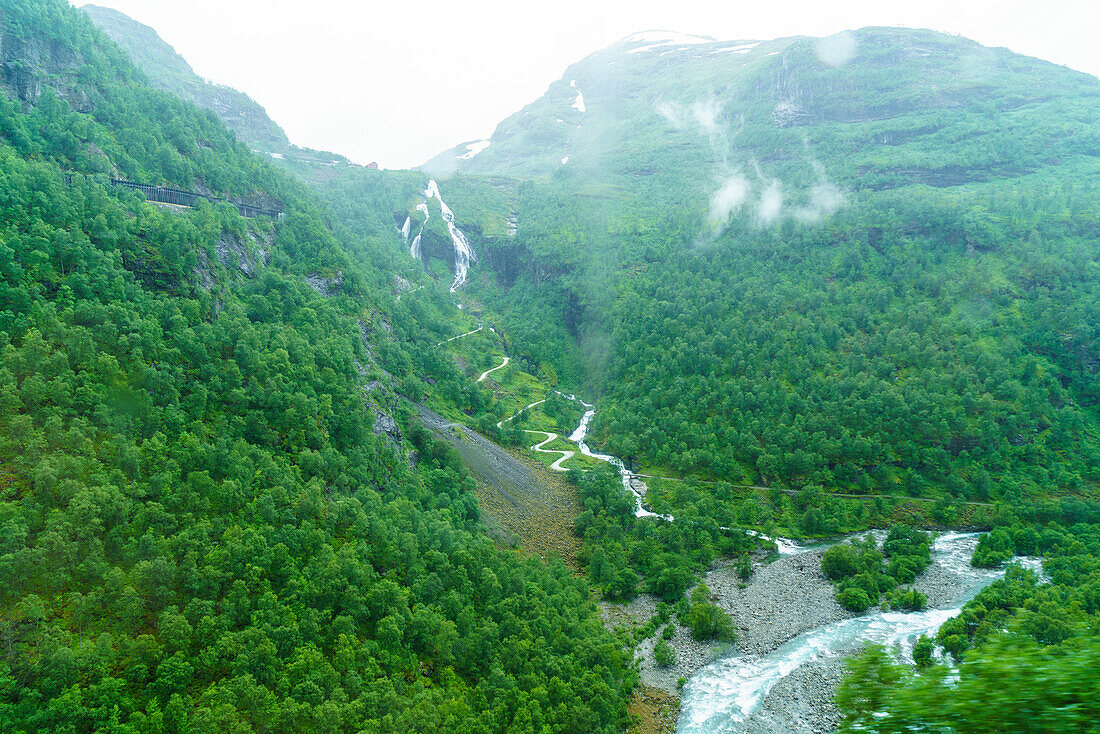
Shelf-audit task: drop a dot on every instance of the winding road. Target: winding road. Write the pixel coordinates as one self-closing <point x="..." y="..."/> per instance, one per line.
<point x="502" y="365"/>
<point x="500" y="424"/>
<point x="462" y="335"/>
<point x="565" y="455"/>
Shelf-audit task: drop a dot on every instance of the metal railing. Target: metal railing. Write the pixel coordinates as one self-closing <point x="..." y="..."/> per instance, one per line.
<point x="179" y="197"/>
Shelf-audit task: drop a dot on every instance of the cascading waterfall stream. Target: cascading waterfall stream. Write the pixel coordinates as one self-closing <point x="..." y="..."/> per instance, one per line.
<point x="464" y="254"/>
<point x="415" y="249"/>
<point x="723" y="696"/>
<point x="625" y="474"/>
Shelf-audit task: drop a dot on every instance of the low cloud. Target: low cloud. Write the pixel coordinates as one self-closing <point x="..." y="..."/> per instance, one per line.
<point x="837" y="49"/>
<point x="703" y="113"/>
<point x="674" y="113"/>
<point x="825" y="199"/>
<point x="770" y="206"/>
<point x="729" y="198"/>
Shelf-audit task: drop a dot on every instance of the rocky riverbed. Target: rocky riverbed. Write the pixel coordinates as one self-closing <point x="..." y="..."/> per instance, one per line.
<point x="802" y="703"/>
<point x="783" y="599"/>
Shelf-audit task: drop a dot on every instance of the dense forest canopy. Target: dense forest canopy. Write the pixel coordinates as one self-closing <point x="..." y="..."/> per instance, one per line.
<point x="804" y="292"/>
<point x="202" y="527"/>
<point x="873" y="277"/>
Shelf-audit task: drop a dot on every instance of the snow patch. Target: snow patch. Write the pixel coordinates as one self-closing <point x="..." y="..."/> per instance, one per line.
<point x="655" y="46"/>
<point x="658" y="37"/>
<point x="744" y="48"/>
<point x="473" y="149"/>
<point x="565" y="160"/>
<point x="578" y="103"/>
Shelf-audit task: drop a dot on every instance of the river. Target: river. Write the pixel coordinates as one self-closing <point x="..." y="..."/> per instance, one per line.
<point x="724" y="696"/>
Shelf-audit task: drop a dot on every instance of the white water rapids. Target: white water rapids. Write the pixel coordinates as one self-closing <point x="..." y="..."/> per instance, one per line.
<point x="625" y="474"/>
<point x="722" y="696"/>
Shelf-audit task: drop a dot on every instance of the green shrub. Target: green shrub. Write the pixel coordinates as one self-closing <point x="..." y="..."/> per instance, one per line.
<point x="854" y="599"/>
<point x="664" y="654"/>
<point x="922" y="652"/>
<point x="907" y="600"/>
<point x="706" y="620"/>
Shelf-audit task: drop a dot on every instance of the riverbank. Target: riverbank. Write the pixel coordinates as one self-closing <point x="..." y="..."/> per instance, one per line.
<point x="791" y="688"/>
<point x="783" y="599"/>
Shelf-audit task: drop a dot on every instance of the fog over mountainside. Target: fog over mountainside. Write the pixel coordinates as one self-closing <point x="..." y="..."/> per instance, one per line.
<point x="524" y="439"/>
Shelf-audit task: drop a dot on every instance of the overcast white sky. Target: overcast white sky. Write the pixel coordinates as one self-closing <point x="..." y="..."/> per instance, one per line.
<point x="397" y="82"/>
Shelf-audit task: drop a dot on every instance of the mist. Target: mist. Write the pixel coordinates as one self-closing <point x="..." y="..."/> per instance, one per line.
<point x="352" y="78"/>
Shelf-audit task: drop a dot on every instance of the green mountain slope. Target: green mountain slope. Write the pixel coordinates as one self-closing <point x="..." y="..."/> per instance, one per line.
<point x="866" y="263"/>
<point x="215" y="514"/>
<point x="879" y="105"/>
<point x="170" y="72"/>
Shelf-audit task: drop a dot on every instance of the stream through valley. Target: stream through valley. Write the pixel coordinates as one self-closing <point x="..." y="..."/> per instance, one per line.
<point x="730" y="693"/>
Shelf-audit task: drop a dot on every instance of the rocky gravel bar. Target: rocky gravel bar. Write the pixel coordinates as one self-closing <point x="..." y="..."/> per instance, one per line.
<point x="782" y="599"/>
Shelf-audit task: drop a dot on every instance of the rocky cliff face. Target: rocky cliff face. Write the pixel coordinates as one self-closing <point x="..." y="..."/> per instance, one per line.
<point x="170" y="72"/>
<point x="29" y="66"/>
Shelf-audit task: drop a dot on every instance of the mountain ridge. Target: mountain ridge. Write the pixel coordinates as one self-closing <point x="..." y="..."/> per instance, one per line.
<point x="169" y="71"/>
<point x="733" y="76"/>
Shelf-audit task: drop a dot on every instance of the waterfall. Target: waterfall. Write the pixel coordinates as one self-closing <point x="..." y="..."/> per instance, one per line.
<point x="625" y="474"/>
<point x="464" y="254"/>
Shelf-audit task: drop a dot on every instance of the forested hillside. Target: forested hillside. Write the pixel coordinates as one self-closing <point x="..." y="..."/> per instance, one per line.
<point x="215" y="514"/>
<point x="866" y="263"/>
<point x="812" y="285"/>
<point x="867" y="266"/>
